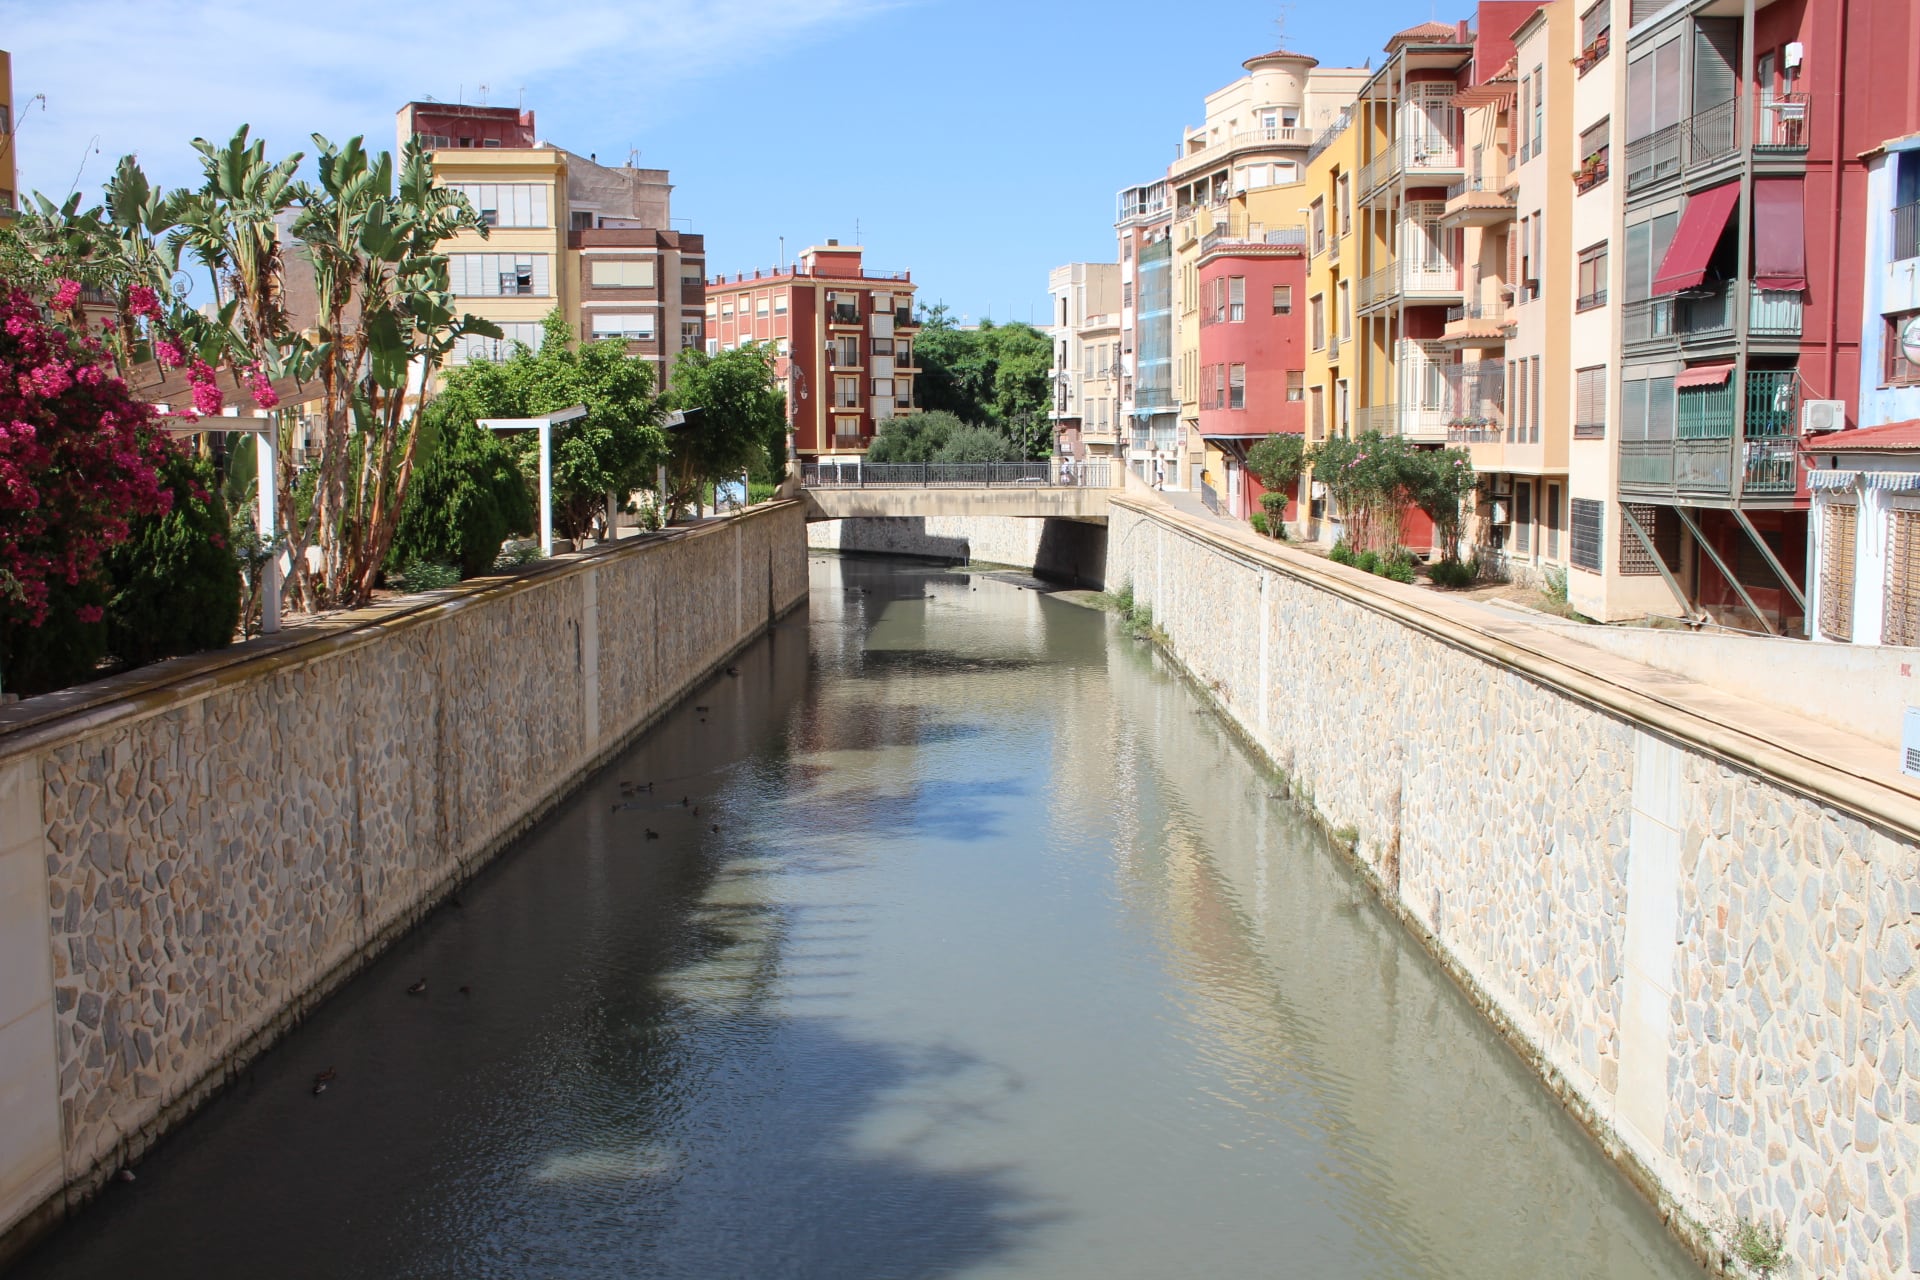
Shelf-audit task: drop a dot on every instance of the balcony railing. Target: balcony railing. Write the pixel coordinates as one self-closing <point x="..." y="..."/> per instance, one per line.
<point x="1277" y="135"/>
<point x="1702" y="459"/>
<point x="1906" y="233"/>
<point x="1494" y="311"/>
<point x="1655" y="157"/>
<point x="1783" y="123"/>
<point x="1588" y="301"/>
<point x="843" y="315"/>
<point x="1771" y="466"/>
<point x="1710" y="134"/>
<point x="1089" y="473"/>
<point x="1384" y="418"/>
<point x="1708" y="318"/>
<point x="1476" y="403"/>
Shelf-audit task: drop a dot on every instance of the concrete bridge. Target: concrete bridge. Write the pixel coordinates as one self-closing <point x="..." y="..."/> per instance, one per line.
<point x="1049" y="490"/>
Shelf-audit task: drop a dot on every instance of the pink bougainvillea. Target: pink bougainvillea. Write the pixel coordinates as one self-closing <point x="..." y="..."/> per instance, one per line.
<point x="65" y="294"/>
<point x="262" y="387"/>
<point x="208" y="399"/>
<point x="168" y="353"/>
<point x="142" y="301"/>
<point x="79" y="460"/>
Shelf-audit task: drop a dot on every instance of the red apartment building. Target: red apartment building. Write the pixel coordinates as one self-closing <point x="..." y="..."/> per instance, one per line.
<point x="843" y="336"/>
<point x="1252" y="352"/>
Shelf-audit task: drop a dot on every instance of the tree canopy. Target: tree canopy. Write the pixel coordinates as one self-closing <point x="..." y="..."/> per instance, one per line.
<point x="995" y="375"/>
<point x="736" y="420"/>
<point x="940" y="436"/>
<point x="1376" y="479"/>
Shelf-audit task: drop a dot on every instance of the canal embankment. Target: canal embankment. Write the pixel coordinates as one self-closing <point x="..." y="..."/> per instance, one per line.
<point x="189" y="865"/>
<point x="1057" y="548"/>
<point x="1696" y="915"/>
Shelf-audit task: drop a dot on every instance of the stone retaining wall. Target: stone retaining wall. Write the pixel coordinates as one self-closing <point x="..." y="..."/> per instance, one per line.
<point x="185" y="870"/>
<point x="1705" y="944"/>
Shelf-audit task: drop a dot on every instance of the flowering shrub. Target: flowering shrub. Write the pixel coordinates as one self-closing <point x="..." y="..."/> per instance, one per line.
<point x="79" y="462"/>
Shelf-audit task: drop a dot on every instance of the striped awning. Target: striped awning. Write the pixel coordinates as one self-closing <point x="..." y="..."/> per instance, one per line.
<point x="1831" y="479"/>
<point x="1893" y="481"/>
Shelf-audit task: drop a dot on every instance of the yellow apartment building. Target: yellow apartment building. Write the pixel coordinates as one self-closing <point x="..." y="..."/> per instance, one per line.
<point x="1327" y="197"/>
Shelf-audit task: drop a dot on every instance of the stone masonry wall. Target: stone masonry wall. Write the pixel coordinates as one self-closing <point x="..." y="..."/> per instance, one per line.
<point x="1715" y="967"/>
<point x="210" y="858"/>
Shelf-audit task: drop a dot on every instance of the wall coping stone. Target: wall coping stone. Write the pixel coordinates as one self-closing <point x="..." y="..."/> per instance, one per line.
<point x="1825" y="764"/>
<point x="51" y="719"/>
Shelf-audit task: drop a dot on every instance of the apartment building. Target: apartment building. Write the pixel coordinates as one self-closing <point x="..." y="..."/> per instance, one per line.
<point x="1327" y="306"/>
<point x="842" y="335"/>
<point x="1864" y="526"/>
<point x="1143" y="223"/>
<point x="9" y="181"/>
<point x="1252" y="379"/>
<point x="1255" y="138"/>
<point x="1101" y="434"/>
<point x="563" y="231"/>
<point x="1077" y="292"/>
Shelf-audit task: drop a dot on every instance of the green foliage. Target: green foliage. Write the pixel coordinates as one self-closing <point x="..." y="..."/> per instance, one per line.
<point x="996" y="375"/>
<point x="59" y="652"/>
<point x="615" y="448"/>
<point x="424" y="575"/>
<point x="1760" y="1250"/>
<point x="1397" y="565"/>
<point x="736" y="420"/>
<point x="1274" y="504"/>
<point x="940" y="436"/>
<point x="468" y="498"/>
<point x="515" y="554"/>
<point x="1556" y="584"/>
<point x="1453" y="574"/>
<point x="1277" y="462"/>
<point x="1377" y="479"/>
<point x="1341" y="552"/>
<point x="758" y="493"/>
<point x="1367" y="560"/>
<point x="1259" y="522"/>
<point x="175" y="581"/>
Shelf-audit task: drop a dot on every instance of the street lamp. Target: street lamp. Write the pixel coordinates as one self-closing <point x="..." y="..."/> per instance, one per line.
<point x="544" y="424"/>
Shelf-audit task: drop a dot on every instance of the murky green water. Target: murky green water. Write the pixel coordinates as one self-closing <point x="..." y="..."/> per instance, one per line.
<point x="1001" y="962"/>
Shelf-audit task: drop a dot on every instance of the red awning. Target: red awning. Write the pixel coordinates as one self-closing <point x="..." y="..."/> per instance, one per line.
<point x="1704" y="375"/>
<point x="1779" y="234"/>
<point x="1685" y="266"/>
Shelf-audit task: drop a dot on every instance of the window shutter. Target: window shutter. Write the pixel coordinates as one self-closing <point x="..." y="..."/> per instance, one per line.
<point x="1514" y="238"/>
<point x="1839" y="527"/>
<point x="1900" y="624"/>
<point x="1716" y="45"/>
<point x="541" y="284"/>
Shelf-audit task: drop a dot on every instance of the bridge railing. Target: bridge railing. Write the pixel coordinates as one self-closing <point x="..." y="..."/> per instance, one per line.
<point x="1052" y="473"/>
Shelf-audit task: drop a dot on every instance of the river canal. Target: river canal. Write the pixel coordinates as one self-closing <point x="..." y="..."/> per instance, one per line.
<point x="978" y="948"/>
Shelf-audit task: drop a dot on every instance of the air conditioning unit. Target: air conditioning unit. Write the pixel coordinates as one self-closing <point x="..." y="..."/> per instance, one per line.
<point x="1500" y="513"/>
<point x="1822" y="415"/>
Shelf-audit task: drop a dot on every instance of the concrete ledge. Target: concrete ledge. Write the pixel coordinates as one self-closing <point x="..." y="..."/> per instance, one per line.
<point x="1814" y="759"/>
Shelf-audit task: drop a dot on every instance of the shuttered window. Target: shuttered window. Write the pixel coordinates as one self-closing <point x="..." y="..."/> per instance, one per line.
<point x="623" y="275"/>
<point x="1236" y="298"/>
<point x="1237" y="386"/>
<point x="1533" y="413"/>
<point x="1523" y="517"/>
<point x="1839" y="526"/>
<point x="1900" y="624"/>
<point x="1551" y="518"/>
<point x="1590" y="403"/>
<point x="1589" y="534"/>
<point x="495" y="275"/>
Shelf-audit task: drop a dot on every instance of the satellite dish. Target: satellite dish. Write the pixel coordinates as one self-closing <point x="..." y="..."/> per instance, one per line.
<point x="1910" y="340"/>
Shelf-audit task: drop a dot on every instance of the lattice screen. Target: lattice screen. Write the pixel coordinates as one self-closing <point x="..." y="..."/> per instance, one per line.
<point x="1839" y="524"/>
<point x="1900" y="624"/>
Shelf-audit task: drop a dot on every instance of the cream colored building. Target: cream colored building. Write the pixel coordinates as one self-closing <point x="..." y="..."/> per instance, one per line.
<point x="1077" y="292"/>
<point x="1100" y="430"/>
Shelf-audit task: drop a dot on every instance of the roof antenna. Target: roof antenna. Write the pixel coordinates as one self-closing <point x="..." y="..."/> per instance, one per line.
<point x="483" y="94"/>
<point x="1280" y="24"/>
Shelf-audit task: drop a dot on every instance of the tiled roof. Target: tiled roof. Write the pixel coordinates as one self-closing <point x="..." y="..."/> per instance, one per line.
<point x="1893" y="435"/>
<point x="1281" y="53"/>
<point x="1425" y="33"/>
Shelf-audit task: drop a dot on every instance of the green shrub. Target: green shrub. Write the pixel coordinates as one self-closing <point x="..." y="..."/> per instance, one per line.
<point x="1397" y="569"/>
<point x="175" y="583"/>
<point x="1367" y="560"/>
<point x="1556" y="584"/>
<point x="1341" y="553"/>
<point x="515" y="554"/>
<point x="424" y="575"/>
<point x="1274" y="504"/>
<point x="59" y="652"/>
<point x="1453" y="574"/>
<point x="1259" y="522"/>
<point x="466" y="501"/>
<point x="758" y="493"/>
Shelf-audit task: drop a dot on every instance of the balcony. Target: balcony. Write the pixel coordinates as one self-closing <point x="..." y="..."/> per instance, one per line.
<point x="1906" y="233"/>
<point x="1476" y="202"/>
<point x="1651" y="325"/>
<point x="1476" y="324"/>
<point x="903" y="318"/>
<point x="1708" y="139"/>
<point x="1701" y="460"/>
<point x="1276" y="136"/>
<point x="1783" y="124"/>
<point x="1283" y="237"/>
<point x="1426" y="159"/>
<point x="1654" y="158"/>
<point x="1476" y="403"/>
<point x="839" y="314"/>
<point x="1333" y="348"/>
<point x="1414" y="283"/>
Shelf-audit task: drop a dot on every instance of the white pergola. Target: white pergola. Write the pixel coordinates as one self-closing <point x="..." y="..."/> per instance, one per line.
<point x="544" y="424"/>
<point x="261" y="427"/>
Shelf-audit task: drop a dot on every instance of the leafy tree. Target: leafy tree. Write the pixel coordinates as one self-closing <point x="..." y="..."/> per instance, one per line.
<point x="1376" y="479"/>
<point x="175" y="581"/>
<point x="913" y="437"/>
<point x="615" y="449"/>
<point x="1443" y="486"/>
<point x="995" y="375"/>
<point x="736" y="420"/>
<point x="980" y="444"/>
<point x="1277" y="462"/>
<point x="469" y="497"/>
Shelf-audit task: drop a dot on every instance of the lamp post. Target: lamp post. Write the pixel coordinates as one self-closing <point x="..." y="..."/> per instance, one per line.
<point x="544" y="424"/>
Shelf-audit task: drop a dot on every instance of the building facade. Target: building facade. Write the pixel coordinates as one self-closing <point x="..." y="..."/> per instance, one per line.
<point x="9" y="179"/>
<point x="566" y="232"/>
<point x="842" y="337"/>
<point x="1143" y="224"/>
<point x="1077" y="292"/>
<point x="1252" y="354"/>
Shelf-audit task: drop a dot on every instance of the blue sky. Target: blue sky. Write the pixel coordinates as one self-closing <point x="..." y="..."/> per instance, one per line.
<point x="975" y="142"/>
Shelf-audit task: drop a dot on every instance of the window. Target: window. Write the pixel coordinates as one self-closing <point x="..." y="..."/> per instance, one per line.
<point x="1236" y="299"/>
<point x="726" y="309"/>
<point x="1343" y="198"/>
<point x="1237" y="386"/>
<point x="1317" y="414"/>
<point x="689" y="334"/>
<point x="1900" y="620"/>
<point x="843" y="308"/>
<point x="495" y="275"/>
<point x="883" y="388"/>
<point x="1593" y="278"/>
<point x="779" y="304"/>
<point x="1283" y="299"/>
<point x="1589" y="534"/>
<point x="1346" y="308"/>
<point x="1317" y="321"/>
<point x="1839" y="529"/>
<point x="1517" y="411"/>
<point x="1523" y="517"/>
<point x="1900" y="371"/>
<point x="509" y="204"/>
<point x="1533" y="414"/>
<point x="1661" y="524"/>
<point x="622" y="275"/>
<point x="1551" y="519"/>
<point x="846" y="393"/>
<point x="760" y="306"/>
<point x="1521" y="117"/>
<point x="474" y="347"/>
<point x="1590" y="403"/>
<point x="1126" y="293"/>
<point x="1318" y="220"/>
<point x="1296" y="385"/>
<point x="882" y="346"/>
<point x="1654" y="107"/>
<point x="1594" y="162"/>
<point x="1517" y="245"/>
<point x="1595" y="25"/>
<point x="636" y="327"/>
<point x="1539" y="132"/>
<point x="846" y="352"/>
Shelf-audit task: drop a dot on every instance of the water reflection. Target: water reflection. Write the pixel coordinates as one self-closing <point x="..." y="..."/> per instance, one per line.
<point x="1001" y="962"/>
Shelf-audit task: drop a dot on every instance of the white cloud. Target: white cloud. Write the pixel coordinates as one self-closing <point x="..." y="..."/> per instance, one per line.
<point x="147" y="76"/>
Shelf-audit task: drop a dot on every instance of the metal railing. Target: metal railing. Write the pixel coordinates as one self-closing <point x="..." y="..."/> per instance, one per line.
<point x="1906" y="232"/>
<point x="1655" y="157"/>
<point x="1051" y="473"/>
<point x="1495" y="310"/>
<point x="1709" y="317"/>
<point x="1588" y="301"/>
<point x="1209" y="498"/>
<point x="1710" y="134"/>
<point x="1771" y="466"/>
<point x="1783" y="123"/>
